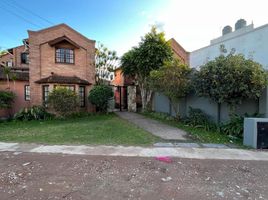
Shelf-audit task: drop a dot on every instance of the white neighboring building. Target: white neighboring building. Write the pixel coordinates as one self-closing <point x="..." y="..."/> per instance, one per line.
<point x="245" y="39"/>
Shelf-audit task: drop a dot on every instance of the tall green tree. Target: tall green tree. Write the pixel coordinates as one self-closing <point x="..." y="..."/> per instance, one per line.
<point x="106" y="61"/>
<point x="230" y="79"/>
<point x="149" y="55"/>
<point x="173" y="81"/>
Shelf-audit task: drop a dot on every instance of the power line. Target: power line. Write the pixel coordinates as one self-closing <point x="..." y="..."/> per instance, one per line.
<point x="15" y="4"/>
<point x="19" y="16"/>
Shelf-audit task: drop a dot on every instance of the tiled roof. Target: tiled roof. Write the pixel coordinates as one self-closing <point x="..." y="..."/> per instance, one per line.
<point x="20" y="75"/>
<point x="63" y="80"/>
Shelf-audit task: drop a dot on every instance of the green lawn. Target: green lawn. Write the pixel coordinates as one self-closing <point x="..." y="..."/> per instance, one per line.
<point x="95" y="129"/>
<point x="197" y="134"/>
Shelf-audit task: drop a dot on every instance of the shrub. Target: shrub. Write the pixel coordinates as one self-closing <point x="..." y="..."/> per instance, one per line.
<point x="6" y="99"/>
<point x="63" y="100"/>
<point x="33" y="113"/>
<point x="99" y="96"/>
<point x="234" y="127"/>
<point x="199" y="118"/>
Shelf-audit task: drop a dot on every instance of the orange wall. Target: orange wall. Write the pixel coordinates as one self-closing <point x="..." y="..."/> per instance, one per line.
<point x="19" y="103"/>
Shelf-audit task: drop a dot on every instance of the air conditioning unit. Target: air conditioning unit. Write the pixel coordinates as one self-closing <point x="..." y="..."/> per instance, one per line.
<point x="256" y="133"/>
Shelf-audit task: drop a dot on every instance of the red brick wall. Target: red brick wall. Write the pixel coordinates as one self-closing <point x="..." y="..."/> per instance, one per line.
<point x="179" y="51"/>
<point x="42" y="59"/>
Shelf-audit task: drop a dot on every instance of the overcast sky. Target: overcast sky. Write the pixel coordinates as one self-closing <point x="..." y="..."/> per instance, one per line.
<point x="119" y="24"/>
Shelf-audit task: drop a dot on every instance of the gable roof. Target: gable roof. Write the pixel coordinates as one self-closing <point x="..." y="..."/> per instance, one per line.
<point x="172" y="40"/>
<point x="65" y="26"/>
<point x="63" y="39"/>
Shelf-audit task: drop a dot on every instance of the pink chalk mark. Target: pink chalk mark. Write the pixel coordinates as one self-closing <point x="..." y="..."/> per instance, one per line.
<point x="165" y="159"/>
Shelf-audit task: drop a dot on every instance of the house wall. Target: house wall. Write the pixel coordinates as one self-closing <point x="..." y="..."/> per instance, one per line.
<point x="42" y="57"/>
<point x="252" y="44"/>
<point x="19" y="101"/>
<point x="17" y="55"/>
<point x="5" y="58"/>
<point x="179" y="51"/>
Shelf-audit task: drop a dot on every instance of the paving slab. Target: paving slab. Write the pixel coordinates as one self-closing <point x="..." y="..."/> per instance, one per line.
<point x="154" y="127"/>
<point x="130" y="151"/>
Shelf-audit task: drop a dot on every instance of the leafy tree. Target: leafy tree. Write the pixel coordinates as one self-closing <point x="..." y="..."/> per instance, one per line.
<point x="6" y="99"/>
<point x="100" y="95"/>
<point x="106" y="62"/>
<point x="172" y="80"/>
<point x="230" y="79"/>
<point x="63" y="100"/>
<point x="2" y="52"/>
<point x="149" y="55"/>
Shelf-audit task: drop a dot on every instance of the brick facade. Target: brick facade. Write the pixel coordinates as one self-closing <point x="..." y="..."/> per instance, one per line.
<point x="179" y="51"/>
<point x="42" y="61"/>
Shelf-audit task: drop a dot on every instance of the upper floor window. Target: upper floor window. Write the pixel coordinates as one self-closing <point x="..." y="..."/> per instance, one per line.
<point x="24" y="58"/>
<point x="64" y="55"/>
<point x="9" y="63"/>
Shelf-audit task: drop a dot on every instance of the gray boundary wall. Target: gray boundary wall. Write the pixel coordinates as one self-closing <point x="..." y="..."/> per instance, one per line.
<point x="162" y="104"/>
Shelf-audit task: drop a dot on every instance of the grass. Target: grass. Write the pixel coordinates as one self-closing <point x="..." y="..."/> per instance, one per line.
<point x="197" y="134"/>
<point x="95" y="129"/>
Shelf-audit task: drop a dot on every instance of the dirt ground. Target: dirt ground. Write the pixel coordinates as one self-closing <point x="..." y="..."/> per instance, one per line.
<point x="44" y="176"/>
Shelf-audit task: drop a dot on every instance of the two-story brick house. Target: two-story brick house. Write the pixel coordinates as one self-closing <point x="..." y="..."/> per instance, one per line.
<point x="51" y="57"/>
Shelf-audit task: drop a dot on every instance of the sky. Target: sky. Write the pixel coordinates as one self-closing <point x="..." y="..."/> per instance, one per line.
<point x="119" y="24"/>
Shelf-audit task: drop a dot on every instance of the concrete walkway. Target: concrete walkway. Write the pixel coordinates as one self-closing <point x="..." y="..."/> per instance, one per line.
<point x="154" y="127"/>
<point x="197" y="153"/>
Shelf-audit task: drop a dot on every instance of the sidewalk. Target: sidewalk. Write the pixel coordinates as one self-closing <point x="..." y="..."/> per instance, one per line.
<point x="154" y="127"/>
<point x="197" y="153"/>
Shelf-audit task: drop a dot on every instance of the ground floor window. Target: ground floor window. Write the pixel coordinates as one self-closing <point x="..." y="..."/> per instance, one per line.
<point x="27" y="93"/>
<point x="82" y="96"/>
<point x="45" y="94"/>
<point x="70" y="87"/>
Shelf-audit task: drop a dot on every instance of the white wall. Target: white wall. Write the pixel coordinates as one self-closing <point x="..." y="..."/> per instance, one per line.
<point x="252" y="44"/>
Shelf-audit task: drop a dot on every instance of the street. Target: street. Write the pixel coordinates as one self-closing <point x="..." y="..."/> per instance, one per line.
<point x="58" y="176"/>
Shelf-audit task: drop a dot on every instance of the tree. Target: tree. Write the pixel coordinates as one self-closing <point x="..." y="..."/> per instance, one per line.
<point x="2" y="52"/>
<point x="99" y="96"/>
<point x="173" y="81"/>
<point x="149" y="55"/>
<point x="106" y="62"/>
<point x="230" y="79"/>
<point x="63" y="100"/>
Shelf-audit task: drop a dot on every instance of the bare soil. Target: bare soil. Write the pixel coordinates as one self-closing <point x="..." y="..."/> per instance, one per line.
<point x="43" y="176"/>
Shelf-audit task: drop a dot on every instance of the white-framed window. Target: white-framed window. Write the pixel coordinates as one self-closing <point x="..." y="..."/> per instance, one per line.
<point x="9" y="63"/>
<point x="27" y="96"/>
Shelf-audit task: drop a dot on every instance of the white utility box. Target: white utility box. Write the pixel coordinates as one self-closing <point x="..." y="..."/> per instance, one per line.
<point x="256" y="132"/>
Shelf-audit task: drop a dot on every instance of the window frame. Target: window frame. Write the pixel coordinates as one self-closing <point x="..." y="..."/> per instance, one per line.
<point x="66" y="86"/>
<point x="82" y="96"/>
<point x="27" y="97"/>
<point x="45" y="97"/>
<point x="64" y="56"/>
<point x="26" y="60"/>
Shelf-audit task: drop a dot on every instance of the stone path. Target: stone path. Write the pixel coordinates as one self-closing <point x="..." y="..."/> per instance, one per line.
<point x="179" y="152"/>
<point x="154" y="127"/>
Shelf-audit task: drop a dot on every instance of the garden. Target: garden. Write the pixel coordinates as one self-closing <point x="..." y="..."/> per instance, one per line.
<point x="228" y="79"/>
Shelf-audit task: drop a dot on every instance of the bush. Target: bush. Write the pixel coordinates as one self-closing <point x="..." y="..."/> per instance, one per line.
<point x="33" y="113"/>
<point x="234" y="127"/>
<point x="199" y="118"/>
<point x="99" y="96"/>
<point x="64" y="101"/>
<point x="6" y="99"/>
